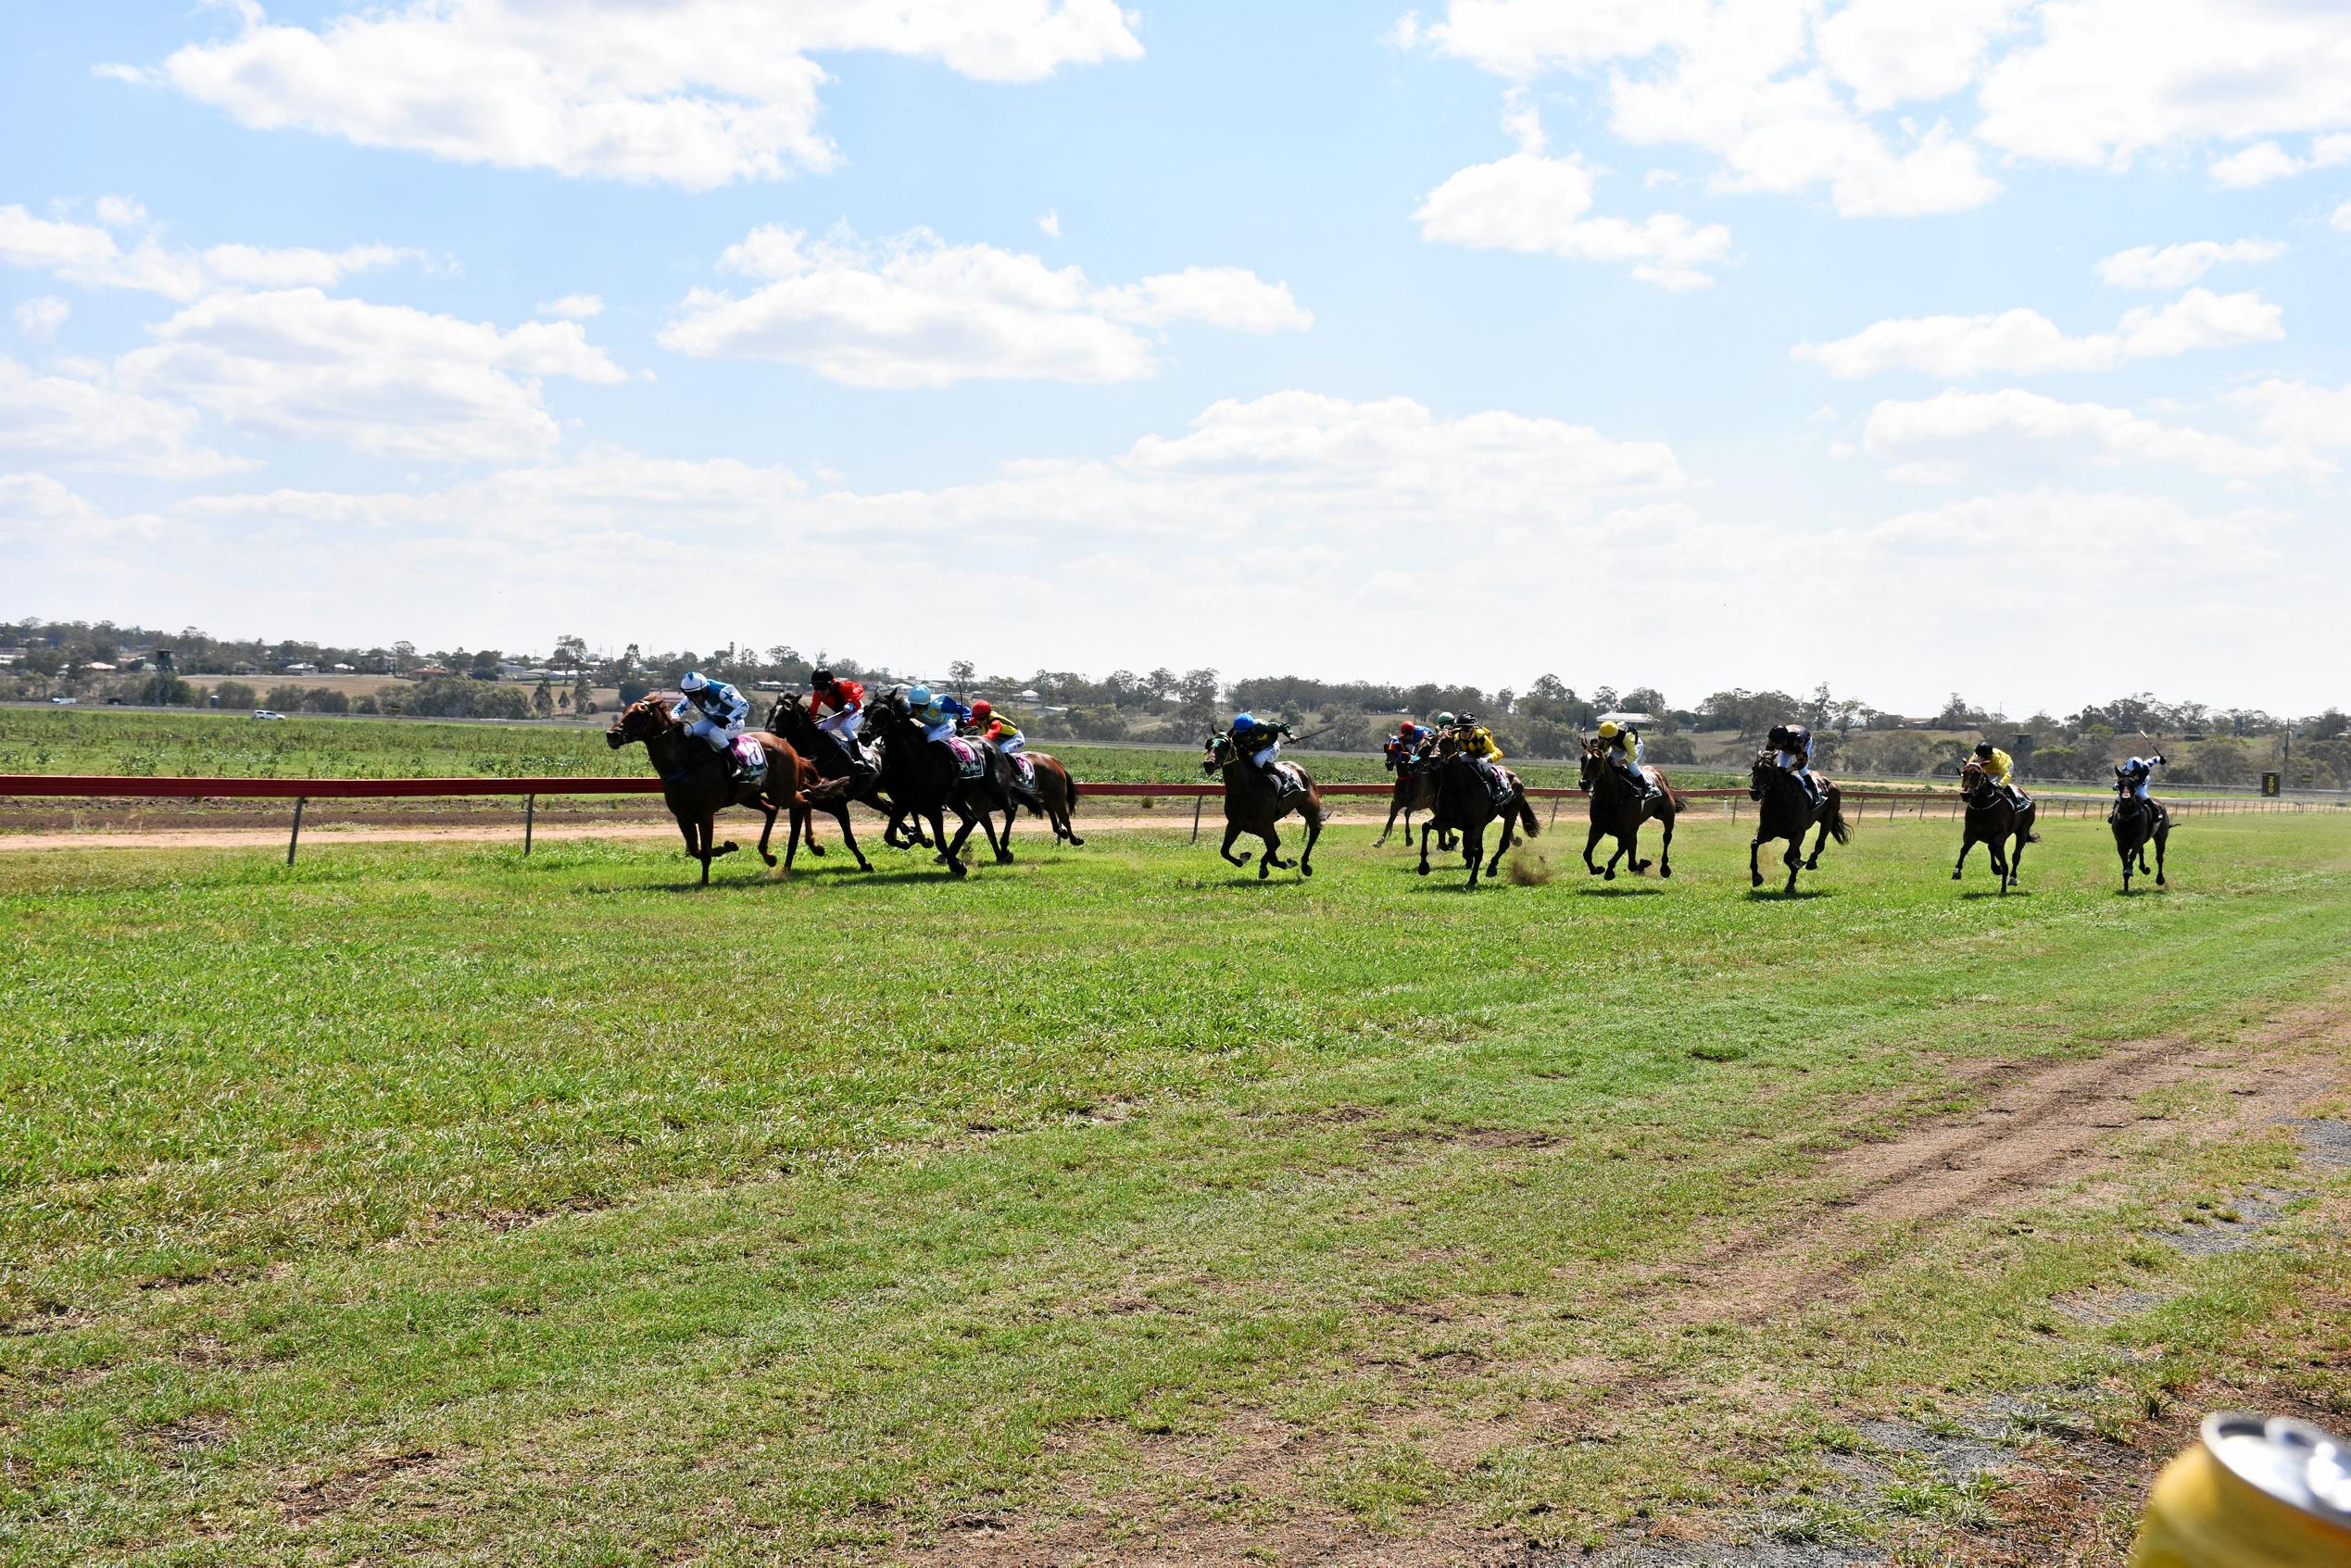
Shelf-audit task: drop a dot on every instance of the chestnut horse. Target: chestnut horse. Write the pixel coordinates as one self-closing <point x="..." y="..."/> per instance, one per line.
<point x="1786" y="810"/>
<point x="1992" y="821"/>
<point x="1617" y="811"/>
<point x="1055" y="794"/>
<point x="1253" y="806"/>
<point x="697" y="784"/>
<point x="2136" y="825"/>
<point x="1465" y="804"/>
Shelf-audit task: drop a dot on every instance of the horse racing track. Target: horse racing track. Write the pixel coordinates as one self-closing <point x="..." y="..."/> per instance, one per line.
<point x="429" y="1204"/>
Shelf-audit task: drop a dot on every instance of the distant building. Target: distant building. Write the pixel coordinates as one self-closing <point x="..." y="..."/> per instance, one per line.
<point x="1635" y="720"/>
<point x="429" y="673"/>
<point x="301" y="669"/>
<point x="342" y="669"/>
<point x="98" y="667"/>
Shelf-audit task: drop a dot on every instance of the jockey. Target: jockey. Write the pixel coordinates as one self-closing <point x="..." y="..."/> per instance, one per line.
<point x="1791" y="749"/>
<point x="933" y="714"/>
<point x="1998" y="768"/>
<point x="1620" y="748"/>
<point x="2134" y="774"/>
<point x="996" y="728"/>
<point x="1406" y="747"/>
<point x="1261" y="744"/>
<point x="714" y="712"/>
<point x="846" y="703"/>
<point x="1476" y="743"/>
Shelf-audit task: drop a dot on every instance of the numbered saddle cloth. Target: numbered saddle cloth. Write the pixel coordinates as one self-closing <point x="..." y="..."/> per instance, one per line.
<point x="1026" y="768"/>
<point x="968" y="760"/>
<point x="1293" y="778"/>
<point x="753" y="756"/>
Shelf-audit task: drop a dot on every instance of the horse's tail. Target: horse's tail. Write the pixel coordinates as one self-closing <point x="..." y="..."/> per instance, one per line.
<point x="1681" y="801"/>
<point x="1838" y="827"/>
<point x="1069" y="790"/>
<point x="1526" y="814"/>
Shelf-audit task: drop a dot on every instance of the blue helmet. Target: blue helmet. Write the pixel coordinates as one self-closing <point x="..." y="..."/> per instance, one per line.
<point x="692" y="683"/>
<point x="918" y="696"/>
<point x="1244" y="721"/>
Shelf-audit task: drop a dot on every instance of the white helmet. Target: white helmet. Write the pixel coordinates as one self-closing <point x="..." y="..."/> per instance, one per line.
<point x="692" y="683"/>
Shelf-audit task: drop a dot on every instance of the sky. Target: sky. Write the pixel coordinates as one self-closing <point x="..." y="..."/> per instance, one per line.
<point x="1910" y="345"/>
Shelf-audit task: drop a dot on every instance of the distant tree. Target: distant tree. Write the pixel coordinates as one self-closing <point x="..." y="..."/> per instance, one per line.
<point x="283" y="699"/>
<point x="233" y="694"/>
<point x="325" y="699"/>
<point x="1959" y="715"/>
<point x="571" y="652"/>
<point x="543" y="700"/>
<point x="961" y="672"/>
<point x="2331" y="725"/>
<point x="1670" y="749"/>
<point x="485" y="666"/>
<point x="633" y="692"/>
<point x="1162" y="683"/>
<point x="1645" y="699"/>
<point x="581" y="695"/>
<point x="563" y="700"/>
<point x="164" y="690"/>
<point x="363" y="704"/>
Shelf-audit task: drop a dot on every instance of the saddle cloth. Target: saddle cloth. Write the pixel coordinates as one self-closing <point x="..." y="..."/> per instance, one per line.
<point x="1290" y="771"/>
<point x="1503" y="784"/>
<point x="968" y="760"/>
<point x="753" y="756"/>
<point x="1025" y="766"/>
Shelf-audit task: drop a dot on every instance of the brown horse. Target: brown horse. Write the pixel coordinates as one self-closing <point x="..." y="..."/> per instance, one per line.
<point x="1253" y="806"/>
<point x="2136" y="825"/>
<point x="1618" y="809"/>
<point x="790" y="718"/>
<point x="1786" y="810"/>
<point x="1465" y="804"/>
<point x="1416" y="791"/>
<point x="1056" y="792"/>
<point x="696" y="785"/>
<point x="1992" y="821"/>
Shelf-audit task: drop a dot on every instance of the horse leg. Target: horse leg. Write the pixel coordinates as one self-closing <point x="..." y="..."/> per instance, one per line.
<point x="1666" y="849"/>
<point x="1427" y="831"/>
<point x="2162" y="831"/>
<point x="848" y="836"/>
<point x="1001" y="847"/>
<point x="1390" y="826"/>
<point x="1314" y="819"/>
<point x="1232" y="831"/>
<point x="767" y="828"/>
<point x="1633" y="862"/>
<point x="1812" y="861"/>
<point x="704" y="830"/>
<point x="1794" y="859"/>
<point x="1273" y="854"/>
<point x="1755" y="873"/>
<point x="1999" y="864"/>
<point x="1591" y="839"/>
<point x="1509" y="821"/>
<point x="1966" y="844"/>
<point x="1610" y="874"/>
<point x="946" y="848"/>
<point x="2017" y="856"/>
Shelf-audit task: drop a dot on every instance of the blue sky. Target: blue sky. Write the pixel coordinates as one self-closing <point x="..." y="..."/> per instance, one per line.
<point x="1688" y="343"/>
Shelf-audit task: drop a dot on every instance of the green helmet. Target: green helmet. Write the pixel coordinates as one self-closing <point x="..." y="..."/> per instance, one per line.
<point x="1444" y="720"/>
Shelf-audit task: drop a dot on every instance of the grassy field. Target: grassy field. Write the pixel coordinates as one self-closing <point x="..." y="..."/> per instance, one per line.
<point x="433" y="1205"/>
<point x="175" y="744"/>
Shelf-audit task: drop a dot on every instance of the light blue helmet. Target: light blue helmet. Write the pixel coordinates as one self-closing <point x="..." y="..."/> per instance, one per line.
<point x="1244" y="721"/>
<point x="918" y="696"/>
<point x="692" y="683"/>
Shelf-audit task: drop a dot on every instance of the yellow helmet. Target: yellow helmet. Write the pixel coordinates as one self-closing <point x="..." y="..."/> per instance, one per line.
<point x="1609" y="731"/>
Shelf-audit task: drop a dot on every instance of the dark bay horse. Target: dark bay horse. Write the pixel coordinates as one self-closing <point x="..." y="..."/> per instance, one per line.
<point x="696" y="783"/>
<point x="1617" y="811"/>
<point x="1253" y="806"/>
<point x="1993" y="820"/>
<point x="791" y="719"/>
<point x="1786" y="810"/>
<point x="2136" y="825"/>
<point x="1416" y="790"/>
<point x="1465" y="803"/>
<point x="925" y="780"/>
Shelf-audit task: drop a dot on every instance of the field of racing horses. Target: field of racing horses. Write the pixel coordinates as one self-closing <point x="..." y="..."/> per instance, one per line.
<point x="424" y="1203"/>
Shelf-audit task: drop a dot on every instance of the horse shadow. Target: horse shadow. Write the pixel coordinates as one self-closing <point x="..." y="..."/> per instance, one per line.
<point x="1780" y="895"/>
<point x="1612" y="891"/>
<point x="1973" y="893"/>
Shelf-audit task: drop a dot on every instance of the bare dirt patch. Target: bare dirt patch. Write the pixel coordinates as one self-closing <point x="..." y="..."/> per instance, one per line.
<point x="331" y="1493"/>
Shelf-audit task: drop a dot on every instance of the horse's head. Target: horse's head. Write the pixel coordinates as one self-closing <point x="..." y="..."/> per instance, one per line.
<point x="1219" y="753"/>
<point x="1973" y="783"/>
<point x="1587" y="765"/>
<point x="640" y="721"/>
<point x="787" y="709"/>
<point x="1759" y="777"/>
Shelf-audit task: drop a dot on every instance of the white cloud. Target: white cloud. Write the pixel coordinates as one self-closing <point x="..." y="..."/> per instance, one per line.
<point x="916" y="311"/>
<point x="1528" y="202"/>
<point x="2027" y="343"/>
<point x="574" y="306"/>
<point x="1893" y="51"/>
<point x="694" y="93"/>
<point x="2146" y="267"/>
<point x="98" y="255"/>
<point x="71" y="422"/>
<point x="1051" y="224"/>
<point x="41" y="316"/>
<point x="2296" y="414"/>
<point x="1941" y="439"/>
<point x="2265" y="161"/>
<point x="384" y="379"/>
<point x="2342" y="219"/>
<point x="2106" y="79"/>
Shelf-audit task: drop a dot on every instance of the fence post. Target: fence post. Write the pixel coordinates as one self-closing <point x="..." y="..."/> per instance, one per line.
<point x="295" y="837"/>
<point x="530" y="810"/>
<point x="1199" y="801"/>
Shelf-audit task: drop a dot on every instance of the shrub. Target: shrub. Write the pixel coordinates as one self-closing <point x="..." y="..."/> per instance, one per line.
<point x="233" y="694"/>
<point x="323" y="699"/>
<point x="1677" y="749"/>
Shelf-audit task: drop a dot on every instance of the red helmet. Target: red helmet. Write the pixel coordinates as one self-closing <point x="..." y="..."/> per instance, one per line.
<point x="1405" y="728"/>
<point x="983" y="709"/>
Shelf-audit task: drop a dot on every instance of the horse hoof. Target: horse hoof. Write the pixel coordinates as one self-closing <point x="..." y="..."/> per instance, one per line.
<point x="1422" y="870"/>
<point x="1075" y="840"/>
<point x="814" y="848"/>
<point x="955" y="868"/>
<point x="1305" y="870"/>
<point x="1665" y="870"/>
<point x="1003" y="857"/>
<point x="1955" y="876"/>
<point x="769" y="859"/>
<point x="1608" y="876"/>
<point x="1755" y="882"/>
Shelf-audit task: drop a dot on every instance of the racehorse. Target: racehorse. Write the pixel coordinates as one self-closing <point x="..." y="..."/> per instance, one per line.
<point x="925" y="780"/>
<point x="1992" y="821"/>
<point x="1465" y="803"/>
<point x="791" y="719"/>
<point x="2136" y="825"/>
<point x="1416" y="791"/>
<point x="1055" y="794"/>
<point x="1253" y="806"/>
<point x="696" y="783"/>
<point x="1617" y="811"/>
<point x="1786" y="810"/>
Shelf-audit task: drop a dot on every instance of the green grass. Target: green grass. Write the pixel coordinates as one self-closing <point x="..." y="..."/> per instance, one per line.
<point x="441" y="1205"/>
<point x="202" y="744"/>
